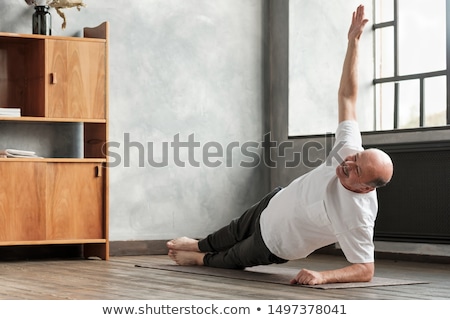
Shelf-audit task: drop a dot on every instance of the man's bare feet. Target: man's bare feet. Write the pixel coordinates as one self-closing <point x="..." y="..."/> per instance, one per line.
<point x="187" y="258"/>
<point x="183" y="244"/>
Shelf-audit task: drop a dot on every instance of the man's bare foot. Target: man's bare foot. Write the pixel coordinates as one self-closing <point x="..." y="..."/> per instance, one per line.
<point x="183" y="244"/>
<point x="187" y="258"/>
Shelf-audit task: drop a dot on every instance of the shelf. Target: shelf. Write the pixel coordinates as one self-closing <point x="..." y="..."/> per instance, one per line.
<point x="55" y="160"/>
<point x="7" y="36"/>
<point x="50" y="242"/>
<point x="45" y="119"/>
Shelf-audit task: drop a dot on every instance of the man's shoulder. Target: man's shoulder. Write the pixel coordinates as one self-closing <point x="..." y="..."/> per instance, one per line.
<point x="348" y="134"/>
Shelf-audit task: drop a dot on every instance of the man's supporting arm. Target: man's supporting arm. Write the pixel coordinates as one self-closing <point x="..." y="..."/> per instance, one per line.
<point x="357" y="272"/>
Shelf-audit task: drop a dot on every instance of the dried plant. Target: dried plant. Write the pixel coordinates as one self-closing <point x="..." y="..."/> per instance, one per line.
<point x="59" y="5"/>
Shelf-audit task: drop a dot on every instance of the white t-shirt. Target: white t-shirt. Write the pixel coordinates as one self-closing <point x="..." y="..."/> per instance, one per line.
<point x="315" y="210"/>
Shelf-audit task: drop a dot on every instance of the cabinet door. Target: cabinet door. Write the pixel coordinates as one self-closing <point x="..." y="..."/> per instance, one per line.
<point x="76" y="79"/>
<point x="75" y="201"/>
<point x="22" y="201"/>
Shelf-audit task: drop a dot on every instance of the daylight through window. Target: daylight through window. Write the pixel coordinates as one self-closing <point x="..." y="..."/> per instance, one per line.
<point x="410" y="64"/>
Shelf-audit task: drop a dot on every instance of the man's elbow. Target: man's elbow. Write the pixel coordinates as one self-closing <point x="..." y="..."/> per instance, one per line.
<point x="367" y="272"/>
<point x="347" y="93"/>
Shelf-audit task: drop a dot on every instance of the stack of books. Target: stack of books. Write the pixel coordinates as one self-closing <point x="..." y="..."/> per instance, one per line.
<point x="14" y="153"/>
<point x="10" y="112"/>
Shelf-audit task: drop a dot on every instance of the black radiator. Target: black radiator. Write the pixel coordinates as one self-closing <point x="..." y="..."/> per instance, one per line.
<point x="415" y="205"/>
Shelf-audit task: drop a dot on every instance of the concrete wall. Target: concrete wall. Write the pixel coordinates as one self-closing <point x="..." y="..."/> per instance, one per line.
<point x="179" y="70"/>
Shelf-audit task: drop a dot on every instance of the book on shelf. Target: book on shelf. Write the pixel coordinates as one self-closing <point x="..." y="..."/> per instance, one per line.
<point x="15" y="153"/>
<point x="10" y="112"/>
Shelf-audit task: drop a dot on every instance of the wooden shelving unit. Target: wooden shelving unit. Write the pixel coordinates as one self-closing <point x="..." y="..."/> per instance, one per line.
<point x="50" y="201"/>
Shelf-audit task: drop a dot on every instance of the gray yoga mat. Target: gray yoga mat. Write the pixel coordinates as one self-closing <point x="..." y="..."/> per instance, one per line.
<point x="274" y="274"/>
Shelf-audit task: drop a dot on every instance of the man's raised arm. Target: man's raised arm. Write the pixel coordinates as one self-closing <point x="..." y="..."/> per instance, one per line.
<point x="348" y="88"/>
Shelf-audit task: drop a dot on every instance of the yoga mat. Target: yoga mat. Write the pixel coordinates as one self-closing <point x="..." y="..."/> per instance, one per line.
<point x="270" y="274"/>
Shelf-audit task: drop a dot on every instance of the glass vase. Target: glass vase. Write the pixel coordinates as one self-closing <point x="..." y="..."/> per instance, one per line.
<point x="42" y="20"/>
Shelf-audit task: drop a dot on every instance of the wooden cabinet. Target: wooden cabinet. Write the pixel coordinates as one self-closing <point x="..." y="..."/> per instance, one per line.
<point x="51" y="201"/>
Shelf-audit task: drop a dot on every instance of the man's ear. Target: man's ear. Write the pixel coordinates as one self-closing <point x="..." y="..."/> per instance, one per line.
<point x="366" y="189"/>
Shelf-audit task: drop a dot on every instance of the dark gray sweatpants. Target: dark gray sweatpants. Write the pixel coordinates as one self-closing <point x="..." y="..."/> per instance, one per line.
<point x="240" y="244"/>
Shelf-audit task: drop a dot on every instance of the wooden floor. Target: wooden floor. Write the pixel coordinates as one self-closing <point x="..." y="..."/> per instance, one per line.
<point x="119" y="279"/>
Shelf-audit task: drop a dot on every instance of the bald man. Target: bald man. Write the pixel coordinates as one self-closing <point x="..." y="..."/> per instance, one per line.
<point x="335" y="202"/>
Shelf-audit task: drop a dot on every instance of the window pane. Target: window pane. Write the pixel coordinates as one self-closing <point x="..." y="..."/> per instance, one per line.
<point x="385" y="106"/>
<point x="409" y="104"/>
<point x="421" y="34"/>
<point x="384" y="55"/>
<point x="384" y="10"/>
<point x="435" y="101"/>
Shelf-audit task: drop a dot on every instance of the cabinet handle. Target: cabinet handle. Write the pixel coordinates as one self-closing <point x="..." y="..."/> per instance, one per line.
<point x="53" y="80"/>
<point x="98" y="171"/>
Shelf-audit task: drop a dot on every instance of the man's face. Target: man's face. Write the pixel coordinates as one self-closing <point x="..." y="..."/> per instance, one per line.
<point x="356" y="171"/>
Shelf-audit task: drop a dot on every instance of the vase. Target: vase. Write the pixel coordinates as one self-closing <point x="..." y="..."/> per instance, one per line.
<point x="42" y="20"/>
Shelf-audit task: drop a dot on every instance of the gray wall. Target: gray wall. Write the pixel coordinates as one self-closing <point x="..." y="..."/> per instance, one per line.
<point x="177" y="68"/>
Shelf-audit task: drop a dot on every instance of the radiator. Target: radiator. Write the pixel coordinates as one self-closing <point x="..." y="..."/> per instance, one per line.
<point x="415" y="205"/>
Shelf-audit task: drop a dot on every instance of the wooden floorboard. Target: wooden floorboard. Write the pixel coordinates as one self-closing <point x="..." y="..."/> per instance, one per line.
<point x="119" y="279"/>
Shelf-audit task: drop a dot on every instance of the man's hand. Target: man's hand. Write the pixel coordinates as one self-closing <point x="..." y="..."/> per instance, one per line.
<point x="358" y="24"/>
<point x="308" y="277"/>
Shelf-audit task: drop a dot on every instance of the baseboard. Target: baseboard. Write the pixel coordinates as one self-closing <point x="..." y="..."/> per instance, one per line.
<point x="137" y="248"/>
<point x="158" y="247"/>
<point x="117" y="248"/>
<point x="402" y="252"/>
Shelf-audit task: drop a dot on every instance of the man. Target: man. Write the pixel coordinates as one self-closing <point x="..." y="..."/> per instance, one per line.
<point x="335" y="202"/>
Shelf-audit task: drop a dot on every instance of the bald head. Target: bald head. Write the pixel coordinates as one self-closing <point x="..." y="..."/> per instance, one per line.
<point x="364" y="171"/>
<point x="380" y="165"/>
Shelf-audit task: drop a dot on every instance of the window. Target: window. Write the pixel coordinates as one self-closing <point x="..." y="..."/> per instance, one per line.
<point x="410" y="64"/>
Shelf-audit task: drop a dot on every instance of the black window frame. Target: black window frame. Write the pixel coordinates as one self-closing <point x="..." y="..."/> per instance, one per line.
<point x="396" y="78"/>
